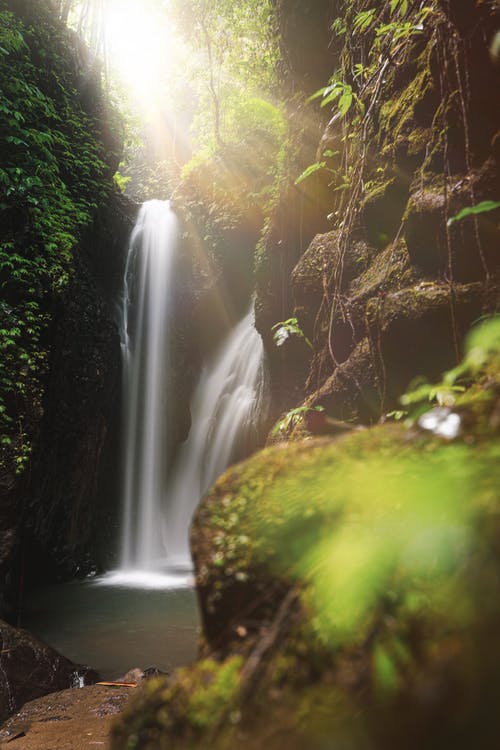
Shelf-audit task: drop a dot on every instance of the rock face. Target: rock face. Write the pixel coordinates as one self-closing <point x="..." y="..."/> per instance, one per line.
<point x="392" y="264"/>
<point x="73" y="487"/>
<point x="30" y="669"/>
<point x="300" y="210"/>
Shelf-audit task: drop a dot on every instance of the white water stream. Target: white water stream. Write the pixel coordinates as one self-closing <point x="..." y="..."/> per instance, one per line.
<point x="226" y="408"/>
<point x="145" y="353"/>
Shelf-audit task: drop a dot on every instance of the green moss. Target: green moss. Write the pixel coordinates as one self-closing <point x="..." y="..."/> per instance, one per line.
<point x="418" y="141"/>
<point x="288" y="507"/>
<point x="397" y="116"/>
<point x="216" y="689"/>
<point x="191" y="704"/>
<point x="389" y="270"/>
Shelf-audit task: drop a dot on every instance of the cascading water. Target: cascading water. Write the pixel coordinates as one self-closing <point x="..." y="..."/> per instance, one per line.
<point x="227" y="409"/>
<point x="145" y="352"/>
<point x="227" y="406"/>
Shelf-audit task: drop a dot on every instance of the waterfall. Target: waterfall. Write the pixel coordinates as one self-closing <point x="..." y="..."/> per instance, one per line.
<point x="147" y="292"/>
<point x="226" y="408"/>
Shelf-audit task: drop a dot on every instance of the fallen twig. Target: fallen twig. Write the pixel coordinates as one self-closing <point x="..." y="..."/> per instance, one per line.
<point x="118" y="684"/>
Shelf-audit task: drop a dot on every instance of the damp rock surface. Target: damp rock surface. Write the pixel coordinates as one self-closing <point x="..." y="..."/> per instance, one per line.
<point x="30" y="669"/>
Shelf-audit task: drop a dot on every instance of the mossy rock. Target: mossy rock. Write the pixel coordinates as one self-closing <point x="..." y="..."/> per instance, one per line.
<point x="390" y="542"/>
<point x="177" y="713"/>
<point x="466" y="250"/>
<point x="352" y="392"/>
<point x="325" y="261"/>
<point x="390" y="270"/>
<point x="404" y="116"/>
<point x="415" y="331"/>
<point x="382" y="210"/>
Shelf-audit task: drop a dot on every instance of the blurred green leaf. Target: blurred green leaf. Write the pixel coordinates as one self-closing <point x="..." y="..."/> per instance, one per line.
<point x="480" y="208"/>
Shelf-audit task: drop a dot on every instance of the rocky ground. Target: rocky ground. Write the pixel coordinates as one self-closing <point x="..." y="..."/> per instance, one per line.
<point x="68" y="720"/>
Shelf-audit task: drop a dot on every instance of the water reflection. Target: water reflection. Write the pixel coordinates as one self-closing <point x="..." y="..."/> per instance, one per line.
<point x="116" y="627"/>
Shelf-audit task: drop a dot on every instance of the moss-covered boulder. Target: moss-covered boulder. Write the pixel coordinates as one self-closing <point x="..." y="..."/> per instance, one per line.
<point x="358" y="580"/>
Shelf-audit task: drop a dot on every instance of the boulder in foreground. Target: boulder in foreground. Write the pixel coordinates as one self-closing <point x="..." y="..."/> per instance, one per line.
<point x="30" y="669"/>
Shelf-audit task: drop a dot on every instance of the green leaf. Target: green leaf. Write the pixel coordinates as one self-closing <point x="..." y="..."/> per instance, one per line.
<point x="338" y="26"/>
<point x="292" y="417"/>
<point x="482" y="342"/>
<point x="317" y="94"/>
<point x="286" y="328"/>
<point x="363" y="20"/>
<point x="401" y="4"/>
<point x="359" y="70"/>
<point x="420" y="393"/>
<point x="331" y="94"/>
<point x="397" y="415"/>
<point x="345" y="102"/>
<point x="479" y="208"/>
<point x="311" y="169"/>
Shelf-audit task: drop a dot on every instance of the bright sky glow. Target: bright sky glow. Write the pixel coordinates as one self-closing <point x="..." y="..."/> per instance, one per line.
<point x="140" y="47"/>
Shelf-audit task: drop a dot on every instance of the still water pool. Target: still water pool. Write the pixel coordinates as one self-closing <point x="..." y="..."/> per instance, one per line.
<point x="115" y="624"/>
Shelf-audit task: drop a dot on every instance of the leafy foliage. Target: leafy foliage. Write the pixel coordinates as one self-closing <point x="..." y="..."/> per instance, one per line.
<point x="239" y="123"/>
<point x="286" y="328"/>
<point x="482" y="346"/>
<point x="364" y="20"/>
<point x="51" y="181"/>
<point x="292" y="418"/>
<point x="236" y="62"/>
<point x="340" y="92"/>
<point x="207" y="702"/>
<point x="387" y="28"/>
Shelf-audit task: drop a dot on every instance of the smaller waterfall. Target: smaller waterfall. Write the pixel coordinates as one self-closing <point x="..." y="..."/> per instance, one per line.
<point x="145" y="353"/>
<point x="227" y="409"/>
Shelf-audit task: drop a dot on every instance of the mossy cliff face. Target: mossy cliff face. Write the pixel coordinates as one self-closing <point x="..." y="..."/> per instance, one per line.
<point x="415" y="147"/>
<point x="62" y="234"/>
<point x="357" y="580"/>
